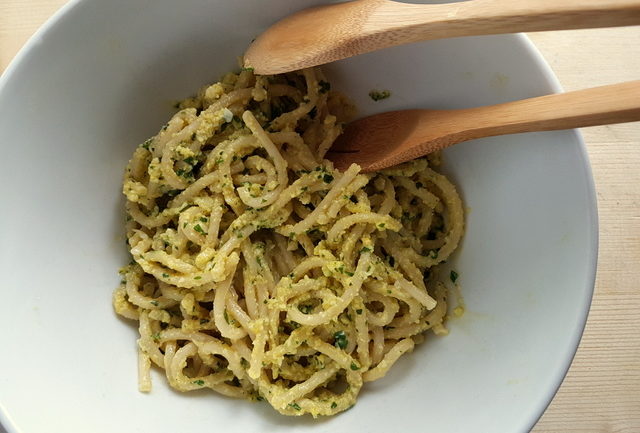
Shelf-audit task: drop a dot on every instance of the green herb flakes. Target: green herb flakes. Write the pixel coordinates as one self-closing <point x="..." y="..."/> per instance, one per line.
<point x="379" y="95"/>
<point x="296" y="406"/>
<point x="147" y="143"/>
<point x="324" y="86"/>
<point x="454" y="276"/>
<point x="340" y="340"/>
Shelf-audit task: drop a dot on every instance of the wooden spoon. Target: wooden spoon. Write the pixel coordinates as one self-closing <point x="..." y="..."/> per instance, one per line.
<point x="387" y="139"/>
<point x="323" y="34"/>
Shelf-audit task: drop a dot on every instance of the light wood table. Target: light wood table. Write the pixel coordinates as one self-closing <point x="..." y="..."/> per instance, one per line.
<point x="602" y="390"/>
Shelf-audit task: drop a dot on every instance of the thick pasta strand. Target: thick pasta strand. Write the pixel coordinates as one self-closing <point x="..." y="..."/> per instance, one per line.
<point x="261" y="272"/>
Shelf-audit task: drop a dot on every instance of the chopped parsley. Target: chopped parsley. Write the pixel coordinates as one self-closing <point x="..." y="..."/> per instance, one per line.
<point x="296" y="406"/>
<point x="359" y="311"/>
<point x="334" y="405"/>
<point x="324" y="86"/>
<point x="199" y="229"/>
<point x="184" y="173"/>
<point x="340" y="340"/>
<point x="199" y="382"/>
<point x="154" y="303"/>
<point x="354" y="366"/>
<point x="146" y="144"/>
<point x="327" y="178"/>
<point x="365" y="250"/>
<point x="379" y="95"/>
<point x="165" y="275"/>
<point x="454" y="276"/>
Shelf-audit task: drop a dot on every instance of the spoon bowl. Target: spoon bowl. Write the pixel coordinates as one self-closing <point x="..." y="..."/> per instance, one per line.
<point x="327" y="33"/>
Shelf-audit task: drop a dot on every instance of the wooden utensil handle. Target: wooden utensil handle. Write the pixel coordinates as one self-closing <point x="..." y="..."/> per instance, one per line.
<point x="616" y="103"/>
<point x="480" y="17"/>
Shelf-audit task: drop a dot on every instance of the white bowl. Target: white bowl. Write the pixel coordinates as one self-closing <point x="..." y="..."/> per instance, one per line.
<point x="101" y="76"/>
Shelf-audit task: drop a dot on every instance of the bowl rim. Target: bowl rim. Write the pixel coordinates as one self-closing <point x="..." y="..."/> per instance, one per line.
<point x="592" y="202"/>
<point x="529" y="47"/>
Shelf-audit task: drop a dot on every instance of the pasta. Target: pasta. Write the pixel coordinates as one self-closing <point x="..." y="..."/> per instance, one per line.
<point x="261" y="272"/>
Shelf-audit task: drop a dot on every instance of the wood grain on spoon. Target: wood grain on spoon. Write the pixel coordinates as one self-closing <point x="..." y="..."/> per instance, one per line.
<point x="326" y="33"/>
<point x="387" y="139"/>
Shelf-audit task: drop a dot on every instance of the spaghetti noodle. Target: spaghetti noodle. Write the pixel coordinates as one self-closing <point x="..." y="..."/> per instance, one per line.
<point x="261" y="272"/>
